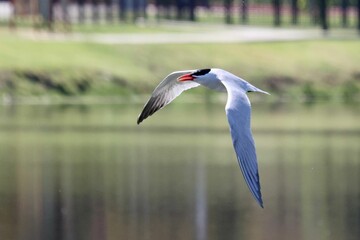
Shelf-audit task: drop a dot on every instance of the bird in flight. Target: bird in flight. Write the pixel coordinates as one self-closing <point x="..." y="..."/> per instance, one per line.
<point x="238" y="111"/>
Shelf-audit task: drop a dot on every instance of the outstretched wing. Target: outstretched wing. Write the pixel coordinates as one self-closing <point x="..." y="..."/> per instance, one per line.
<point x="238" y="111"/>
<point x="165" y="92"/>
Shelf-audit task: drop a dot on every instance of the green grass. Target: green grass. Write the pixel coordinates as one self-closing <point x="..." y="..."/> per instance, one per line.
<point x="278" y="66"/>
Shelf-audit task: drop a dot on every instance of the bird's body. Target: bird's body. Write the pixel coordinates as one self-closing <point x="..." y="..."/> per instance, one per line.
<point x="238" y="111"/>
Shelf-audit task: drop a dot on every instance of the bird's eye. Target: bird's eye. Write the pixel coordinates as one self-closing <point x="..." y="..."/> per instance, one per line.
<point x="201" y="72"/>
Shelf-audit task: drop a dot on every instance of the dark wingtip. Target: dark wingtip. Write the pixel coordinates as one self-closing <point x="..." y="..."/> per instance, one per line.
<point x="258" y="199"/>
<point x="139" y="120"/>
<point x="153" y="105"/>
<point x="142" y="116"/>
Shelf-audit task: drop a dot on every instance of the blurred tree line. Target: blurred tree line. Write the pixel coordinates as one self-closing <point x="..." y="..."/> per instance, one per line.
<point x="132" y="10"/>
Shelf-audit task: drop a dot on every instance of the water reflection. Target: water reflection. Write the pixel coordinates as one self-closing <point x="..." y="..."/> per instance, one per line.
<point x="78" y="174"/>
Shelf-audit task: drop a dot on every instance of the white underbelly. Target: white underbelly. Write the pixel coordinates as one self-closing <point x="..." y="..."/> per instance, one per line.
<point x="214" y="85"/>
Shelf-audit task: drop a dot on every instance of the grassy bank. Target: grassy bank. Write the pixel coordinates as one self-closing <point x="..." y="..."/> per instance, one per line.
<point x="307" y="69"/>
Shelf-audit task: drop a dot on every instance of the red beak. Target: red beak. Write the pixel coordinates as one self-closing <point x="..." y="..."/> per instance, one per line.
<point x="186" y="77"/>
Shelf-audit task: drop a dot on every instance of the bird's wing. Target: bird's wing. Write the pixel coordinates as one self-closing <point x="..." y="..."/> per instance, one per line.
<point x="238" y="111"/>
<point x="165" y="92"/>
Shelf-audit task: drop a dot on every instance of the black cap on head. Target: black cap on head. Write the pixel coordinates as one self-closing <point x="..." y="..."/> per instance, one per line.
<point x="201" y="72"/>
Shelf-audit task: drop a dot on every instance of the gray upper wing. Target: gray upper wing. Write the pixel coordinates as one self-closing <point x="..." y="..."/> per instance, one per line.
<point x="165" y="92"/>
<point x="238" y="111"/>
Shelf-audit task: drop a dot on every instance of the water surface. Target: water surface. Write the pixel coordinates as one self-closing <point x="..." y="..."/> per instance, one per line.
<point x="89" y="172"/>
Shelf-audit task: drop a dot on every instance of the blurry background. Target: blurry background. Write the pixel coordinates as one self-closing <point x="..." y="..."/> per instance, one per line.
<point x="337" y="13"/>
<point x="74" y="76"/>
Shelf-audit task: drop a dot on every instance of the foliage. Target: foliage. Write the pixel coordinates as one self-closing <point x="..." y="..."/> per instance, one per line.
<point x="288" y="70"/>
<point x="351" y="91"/>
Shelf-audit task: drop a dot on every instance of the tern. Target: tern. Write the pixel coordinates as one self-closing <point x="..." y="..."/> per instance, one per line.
<point x="238" y="111"/>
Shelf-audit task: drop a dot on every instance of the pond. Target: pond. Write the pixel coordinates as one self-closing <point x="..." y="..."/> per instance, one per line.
<point x="89" y="172"/>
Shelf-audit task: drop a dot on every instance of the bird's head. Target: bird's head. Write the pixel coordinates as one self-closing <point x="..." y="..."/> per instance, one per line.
<point x="211" y="75"/>
<point x="196" y="75"/>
